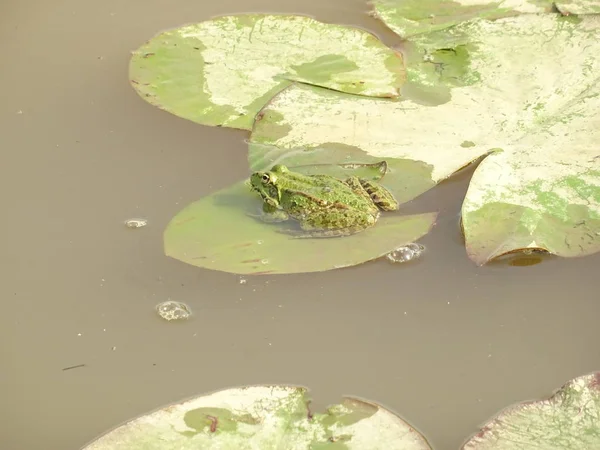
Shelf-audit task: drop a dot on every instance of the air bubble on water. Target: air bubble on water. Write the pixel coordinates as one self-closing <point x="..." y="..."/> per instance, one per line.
<point x="136" y="223"/>
<point x="406" y="253"/>
<point x="171" y="310"/>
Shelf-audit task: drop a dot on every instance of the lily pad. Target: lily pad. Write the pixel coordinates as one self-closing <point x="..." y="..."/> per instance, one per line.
<point x="264" y="417"/>
<point x="217" y="233"/>
<point x="409" y="18"/>
<point x="433" y="72"/>
<point x="533" y="102"/>
<point x="405" y="178"/>
<point x="222" y="71"/>
<point x="569" y="420"/>
<point x="305" y="120"/>
<point x="437" y="60"/>
<point x="578" y="7"/>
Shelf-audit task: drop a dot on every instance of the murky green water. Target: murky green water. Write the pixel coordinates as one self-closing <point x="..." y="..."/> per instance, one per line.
<point x="441" y="342"/>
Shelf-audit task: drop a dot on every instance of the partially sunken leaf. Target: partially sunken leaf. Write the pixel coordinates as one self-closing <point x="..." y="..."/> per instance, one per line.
<point x="263" y="417"/>
<point x="221" y="72"/>
<point x="533" y="99"/>
<point x="217" y="233"/>
<point x="569" y="420"/>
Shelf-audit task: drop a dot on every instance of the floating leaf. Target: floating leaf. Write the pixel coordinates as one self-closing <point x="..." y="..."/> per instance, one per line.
<point x="309" y="122"/>
<point x="217" y="233"/>
<point x="408" y="18"/>
<point x="579" y="7"/>
<point x="570" y="419"/>
<point x="433" y="72"/>
<point x="405" y="178"/>
<point x="264" y="417"/>
<point x="535" y="95"/>
<point x="221" y="72"/>
<point x="436" y="60"/>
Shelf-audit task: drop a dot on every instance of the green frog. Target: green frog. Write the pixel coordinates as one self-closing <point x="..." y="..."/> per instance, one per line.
<point x="323" y="206"/>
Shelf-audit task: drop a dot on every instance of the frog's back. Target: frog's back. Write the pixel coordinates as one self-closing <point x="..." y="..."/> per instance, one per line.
<point x="335" y="190"/>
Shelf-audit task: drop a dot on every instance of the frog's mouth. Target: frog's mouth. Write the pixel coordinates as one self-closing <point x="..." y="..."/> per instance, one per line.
<point x="257" y="190"/>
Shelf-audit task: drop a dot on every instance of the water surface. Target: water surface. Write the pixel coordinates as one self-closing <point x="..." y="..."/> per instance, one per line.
<point x="440" y="341"/>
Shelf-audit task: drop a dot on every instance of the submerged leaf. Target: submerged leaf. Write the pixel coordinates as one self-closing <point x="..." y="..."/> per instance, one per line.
<point x="217" y="233"/>
<point x="532" y="100"/>
<point x="222" y="71"/>
<point x="569" y="420"/>
<point x="264" y="417"/>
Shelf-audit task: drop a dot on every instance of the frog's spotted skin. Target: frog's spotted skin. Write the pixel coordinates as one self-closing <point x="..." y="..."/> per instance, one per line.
<point x="323" y="206"/>
<point x="379" y="195"/>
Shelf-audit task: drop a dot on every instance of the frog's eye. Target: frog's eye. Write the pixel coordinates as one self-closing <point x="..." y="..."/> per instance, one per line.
<point x="265" y="178"/>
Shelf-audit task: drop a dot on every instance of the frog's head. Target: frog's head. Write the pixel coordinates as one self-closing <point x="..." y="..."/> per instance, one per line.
<point x="265" y="183"/>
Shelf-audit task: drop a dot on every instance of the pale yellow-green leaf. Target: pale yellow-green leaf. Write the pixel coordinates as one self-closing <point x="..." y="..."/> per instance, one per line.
<point x="569" y="420"/>
<point x="307" y="118"/>
<point x="578" y="6"/>
<point x="265" y="418"/>
<point x="222" y="71"/>
<point x="533" y="99"/>
<point x="409" y="18"/>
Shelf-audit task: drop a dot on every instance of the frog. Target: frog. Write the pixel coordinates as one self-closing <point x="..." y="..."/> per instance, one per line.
<point x="322" y="205"/>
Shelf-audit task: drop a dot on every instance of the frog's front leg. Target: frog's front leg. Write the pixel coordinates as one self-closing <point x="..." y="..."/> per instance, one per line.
<point x="271" y="214"/>
<point x="378" y="194"/>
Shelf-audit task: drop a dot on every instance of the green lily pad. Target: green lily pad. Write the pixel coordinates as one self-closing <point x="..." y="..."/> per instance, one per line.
<point x="222" y="71"/>
<point x="405" y="178"/>
<point x="569" y="420"/>
<point x="533" y="103"/>
<point x="217" y="233"/>
<point x="264" y="417"/>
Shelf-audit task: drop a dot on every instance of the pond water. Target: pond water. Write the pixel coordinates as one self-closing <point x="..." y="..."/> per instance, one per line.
<point x="441" y="342"/>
